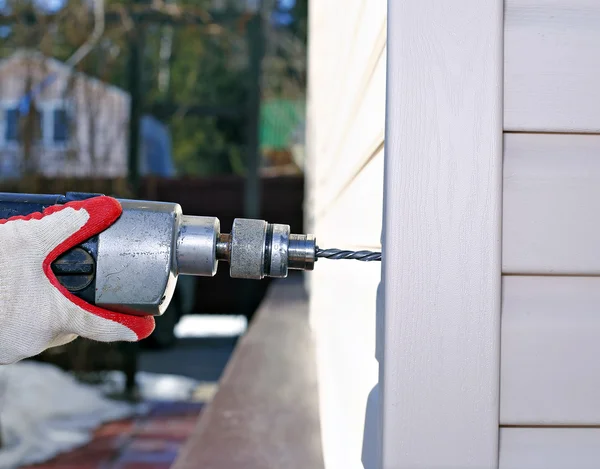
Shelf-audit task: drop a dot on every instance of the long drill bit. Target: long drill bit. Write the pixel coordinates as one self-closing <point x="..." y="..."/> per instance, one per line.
<point x="336" y="254"/>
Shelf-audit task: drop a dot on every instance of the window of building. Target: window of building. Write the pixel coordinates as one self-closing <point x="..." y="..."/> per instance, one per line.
<point x="11" y="125"/>
<point x="60" y="126"/>
<point x="15" y="127"/>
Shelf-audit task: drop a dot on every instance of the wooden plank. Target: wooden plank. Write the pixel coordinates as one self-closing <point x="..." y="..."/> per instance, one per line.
<point x="442" y="234"/>
<point x="549" y="448"/>
<point x="337" y="45"/>
<point x="351" y="123"/>
<point x="354" y="219"/>
<point x="346" y="106"/>
<point x="549" y="371"/>
<point x="347" y="94"/>
<point x="360" y="135"/>
<point x="552" y="65"/>
<point x="551" y="204"/>
<point x="369" y="38"/>
<point x="328" y="47"/>
<point x="265" y="412"/>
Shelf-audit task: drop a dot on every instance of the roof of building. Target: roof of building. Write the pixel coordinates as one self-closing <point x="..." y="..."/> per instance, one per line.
<point x="57" y="66"/>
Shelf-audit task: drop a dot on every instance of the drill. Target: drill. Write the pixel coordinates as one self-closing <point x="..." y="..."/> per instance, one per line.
<point x="132" y="267"/>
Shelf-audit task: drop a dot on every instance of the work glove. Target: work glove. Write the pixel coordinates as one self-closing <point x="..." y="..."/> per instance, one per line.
<point x="36" y="311"/>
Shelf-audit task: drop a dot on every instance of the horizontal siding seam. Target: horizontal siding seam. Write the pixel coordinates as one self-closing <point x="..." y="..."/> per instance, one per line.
<point x="372" y="154"/>
<point x="343" y="63"/>
<point x="550" y="427"/>
<point x="379" y="48"/>
<point x="546" y="274"/>
<point x="548" y="132"/>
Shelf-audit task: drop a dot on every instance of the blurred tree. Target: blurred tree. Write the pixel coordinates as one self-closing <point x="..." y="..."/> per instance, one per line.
<point x="200" y="73"/>
<point x="183" y="65"/>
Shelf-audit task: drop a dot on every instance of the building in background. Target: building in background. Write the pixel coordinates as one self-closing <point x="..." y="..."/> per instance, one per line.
<point x="57" y="122"/>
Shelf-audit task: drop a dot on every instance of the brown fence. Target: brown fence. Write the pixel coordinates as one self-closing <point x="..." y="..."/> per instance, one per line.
<point x="222" y="197"/>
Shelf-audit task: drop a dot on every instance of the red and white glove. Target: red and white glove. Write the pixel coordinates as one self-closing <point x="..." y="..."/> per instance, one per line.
<point x="36" y="311"/>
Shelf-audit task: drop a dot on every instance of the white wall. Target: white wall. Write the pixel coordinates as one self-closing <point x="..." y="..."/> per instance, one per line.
<point x="345" y="134"/>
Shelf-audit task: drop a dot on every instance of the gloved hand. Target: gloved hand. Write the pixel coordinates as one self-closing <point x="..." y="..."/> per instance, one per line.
<point x="36" y="311"/>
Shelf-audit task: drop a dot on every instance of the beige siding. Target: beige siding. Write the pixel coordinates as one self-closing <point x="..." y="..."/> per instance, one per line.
<point x="552" y="65"/>
<point x="346" y="116"/>
<point x="550" y="350"/>
<point x="549" y="448"/>
<point x="551" y="204"/>
<point x="551" y="237"/>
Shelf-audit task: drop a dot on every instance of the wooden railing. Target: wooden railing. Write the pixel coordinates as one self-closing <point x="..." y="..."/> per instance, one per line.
<point x="265" y="413"/>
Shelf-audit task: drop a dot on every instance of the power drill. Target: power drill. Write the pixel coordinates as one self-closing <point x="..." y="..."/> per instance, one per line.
<point x="132" y="266"/>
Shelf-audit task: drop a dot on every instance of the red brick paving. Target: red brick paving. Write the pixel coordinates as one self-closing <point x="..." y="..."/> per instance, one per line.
<point x="151" y="441"/>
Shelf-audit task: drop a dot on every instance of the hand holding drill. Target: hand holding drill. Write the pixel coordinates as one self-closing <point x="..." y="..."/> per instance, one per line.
<point x="36" y="311"/>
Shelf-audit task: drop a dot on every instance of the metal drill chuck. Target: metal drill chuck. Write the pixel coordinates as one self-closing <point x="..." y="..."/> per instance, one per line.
<point x="254" y="249"/>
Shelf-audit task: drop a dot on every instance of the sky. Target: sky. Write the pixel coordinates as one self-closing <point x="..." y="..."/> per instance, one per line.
<point x="46" y="5"/>
<point x="287" y="4"/>
<point x="50" y="5"/>
<point x="284" y="15"/>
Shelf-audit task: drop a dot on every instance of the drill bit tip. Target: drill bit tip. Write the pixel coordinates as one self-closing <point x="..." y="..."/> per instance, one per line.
<point x="336" y="254"/>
